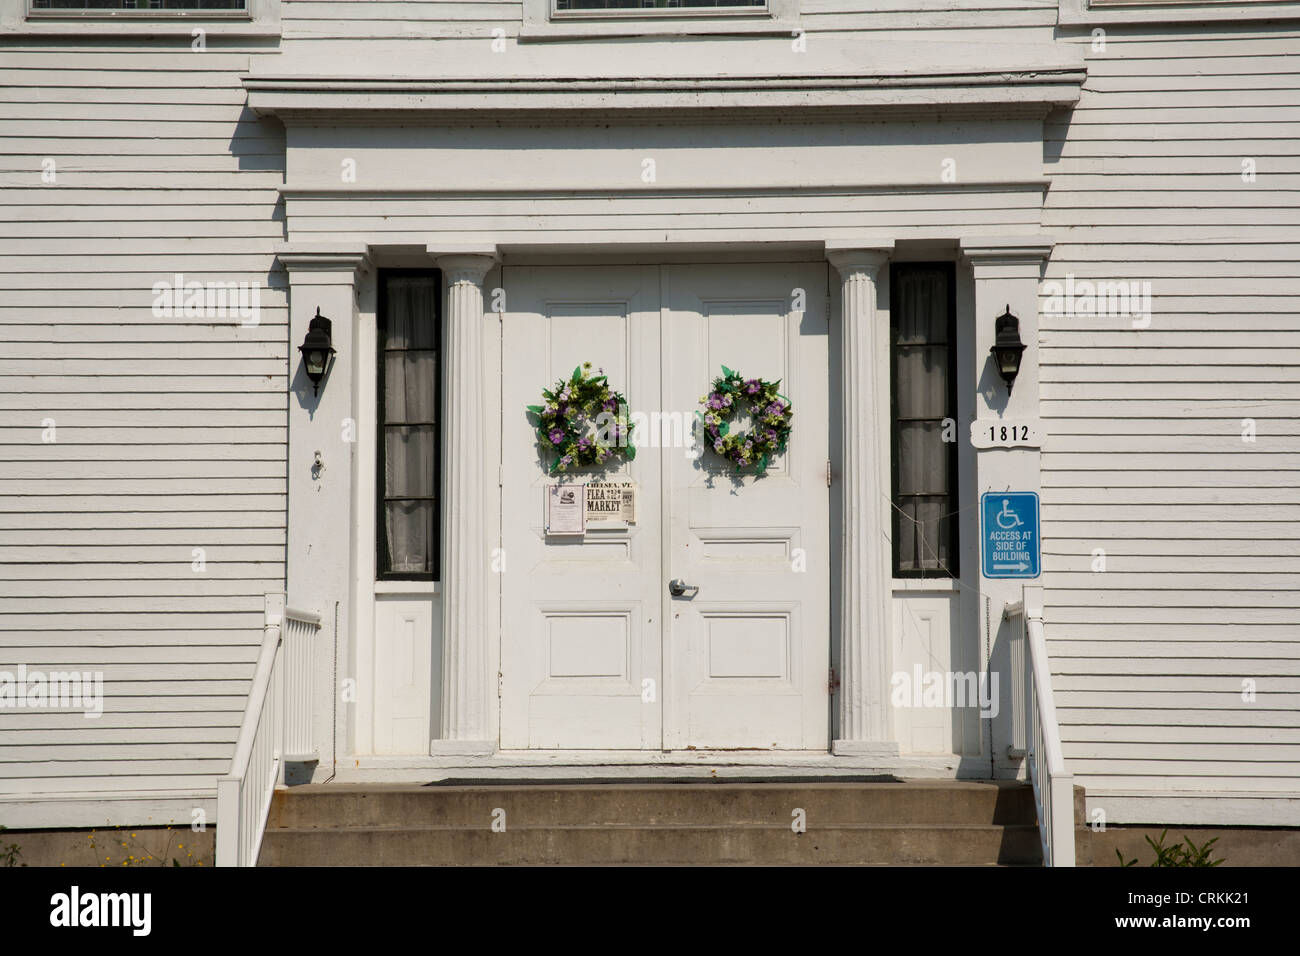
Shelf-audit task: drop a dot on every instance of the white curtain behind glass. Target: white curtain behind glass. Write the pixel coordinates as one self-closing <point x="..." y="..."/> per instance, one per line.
<point x="410" y="429"/>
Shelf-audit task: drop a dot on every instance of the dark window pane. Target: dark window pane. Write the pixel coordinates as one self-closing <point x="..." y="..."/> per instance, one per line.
<point x="409" y="532"/>
<point x="924" y="535"/>
<point x="409" y="380"/>
<point x="922" y="459"/>
<point x="922" y="306"/>
<point x="921" y="377"/>
<point x="410" y="461"/>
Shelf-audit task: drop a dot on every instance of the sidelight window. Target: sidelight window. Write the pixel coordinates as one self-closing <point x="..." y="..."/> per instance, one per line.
<point x="923" y="399"/>
<point x="409" y="331"/>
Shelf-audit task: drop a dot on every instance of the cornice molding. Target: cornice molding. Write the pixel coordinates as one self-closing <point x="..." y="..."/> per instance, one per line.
<point x="998" y="249"/>
<point x="301" y="99"/>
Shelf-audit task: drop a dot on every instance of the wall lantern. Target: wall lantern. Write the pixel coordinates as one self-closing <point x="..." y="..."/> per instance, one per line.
<point x="1007" y="348"/>
<point x="316" y="350"/>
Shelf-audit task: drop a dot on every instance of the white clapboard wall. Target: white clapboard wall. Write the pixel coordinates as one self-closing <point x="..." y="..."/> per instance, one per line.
<point x="170" y="432"/>
<point x="1201" y="531"/>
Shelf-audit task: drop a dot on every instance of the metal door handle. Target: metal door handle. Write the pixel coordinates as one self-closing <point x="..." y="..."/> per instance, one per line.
<point x="677" y="587"/>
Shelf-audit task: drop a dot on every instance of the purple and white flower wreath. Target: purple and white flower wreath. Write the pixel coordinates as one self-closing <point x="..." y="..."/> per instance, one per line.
<point x="584" y="422"/>
<point x="769" y="410"/>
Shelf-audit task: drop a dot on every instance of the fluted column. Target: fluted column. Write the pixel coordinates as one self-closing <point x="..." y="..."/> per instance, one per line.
<point x="865" y="720"/>
<point x="466" y="719"/>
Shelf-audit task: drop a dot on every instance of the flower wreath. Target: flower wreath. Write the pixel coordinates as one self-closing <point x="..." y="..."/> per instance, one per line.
<point x="771" y="413"/>
<point x="584" y="421"/>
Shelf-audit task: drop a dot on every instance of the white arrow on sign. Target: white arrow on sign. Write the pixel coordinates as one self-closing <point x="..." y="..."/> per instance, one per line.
<point x="1022" y="566"/>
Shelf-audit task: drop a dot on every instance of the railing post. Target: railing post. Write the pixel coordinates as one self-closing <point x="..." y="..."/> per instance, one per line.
<point x="228" y="822"/>
<point x="1015" y="615"/>
<point x="275" y="606"/>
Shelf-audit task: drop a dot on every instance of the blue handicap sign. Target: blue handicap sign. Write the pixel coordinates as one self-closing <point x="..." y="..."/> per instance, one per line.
<point x="1009" y="534"/>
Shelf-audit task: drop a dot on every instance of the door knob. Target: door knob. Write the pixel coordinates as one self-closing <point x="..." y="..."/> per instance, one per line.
<point x="677" y="587"/>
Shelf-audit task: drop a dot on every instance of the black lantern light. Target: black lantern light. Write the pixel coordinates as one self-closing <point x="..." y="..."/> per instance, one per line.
<point x="1007" y="347"/>
<point x="316" y="350"/>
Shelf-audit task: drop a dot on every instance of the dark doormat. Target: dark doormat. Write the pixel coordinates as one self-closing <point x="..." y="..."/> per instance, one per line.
<point x="602" y="781"/>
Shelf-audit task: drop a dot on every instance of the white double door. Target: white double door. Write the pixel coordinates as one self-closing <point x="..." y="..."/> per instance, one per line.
<point x="597" y="653"/>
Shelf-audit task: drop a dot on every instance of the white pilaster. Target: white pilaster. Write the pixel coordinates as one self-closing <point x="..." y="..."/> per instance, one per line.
<point x="1006" y="274"/>
<point x="865" y="718"/>
<point x="467" y="688"/>
<point x="319" y="556"/>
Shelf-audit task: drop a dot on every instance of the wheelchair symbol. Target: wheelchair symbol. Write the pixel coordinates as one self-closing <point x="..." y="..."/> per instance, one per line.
<point x="1008" y="519"/>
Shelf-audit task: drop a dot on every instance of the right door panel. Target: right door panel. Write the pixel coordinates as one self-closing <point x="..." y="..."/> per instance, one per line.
<point x="747" y="654"/>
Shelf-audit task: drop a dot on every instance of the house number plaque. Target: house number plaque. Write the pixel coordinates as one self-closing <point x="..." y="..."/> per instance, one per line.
<point x="1006" y="433"/>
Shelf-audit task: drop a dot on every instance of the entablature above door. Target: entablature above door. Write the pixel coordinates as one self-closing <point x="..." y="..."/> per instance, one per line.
<point x="1039" y="79"/>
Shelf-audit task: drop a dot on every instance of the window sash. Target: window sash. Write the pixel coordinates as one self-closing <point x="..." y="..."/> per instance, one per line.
<point x="408" y="489"/>
<point x="924" y="495"/>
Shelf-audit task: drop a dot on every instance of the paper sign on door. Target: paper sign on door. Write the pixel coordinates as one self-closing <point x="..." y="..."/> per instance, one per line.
<point x="565" y="510"/>
<point x="611" y="503"/>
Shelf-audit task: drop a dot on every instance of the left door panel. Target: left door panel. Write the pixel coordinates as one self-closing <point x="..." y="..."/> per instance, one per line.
<point x="581" y="617"/>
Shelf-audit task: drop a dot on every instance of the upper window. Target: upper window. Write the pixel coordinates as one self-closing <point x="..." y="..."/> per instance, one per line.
<point x="1101" y="12"/>
<point x="653" y="6"/>
<point x="922" y="336"/>
<point x="409" y="341"/>
<point x="545" y="19"/>
<point x="139" y="6"/>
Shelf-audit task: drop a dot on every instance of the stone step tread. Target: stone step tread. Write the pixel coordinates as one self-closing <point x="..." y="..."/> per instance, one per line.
<point x="824" y="828"/>
<point x="959" y="786"/>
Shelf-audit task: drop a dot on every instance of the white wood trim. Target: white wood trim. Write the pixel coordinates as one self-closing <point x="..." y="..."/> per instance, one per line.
<point x="1176" y="13"/>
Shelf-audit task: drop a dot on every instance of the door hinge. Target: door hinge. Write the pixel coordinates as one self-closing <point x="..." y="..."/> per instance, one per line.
<point x="832" y="682"/>
<point x="828" y="472"/>
<point x="498" y="684"/>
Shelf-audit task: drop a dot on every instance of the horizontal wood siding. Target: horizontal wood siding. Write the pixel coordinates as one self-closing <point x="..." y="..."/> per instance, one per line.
<point x="170" y="432"/>
<point x="1146" y="458"/>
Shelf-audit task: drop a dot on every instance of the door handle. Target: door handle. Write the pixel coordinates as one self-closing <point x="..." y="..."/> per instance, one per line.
<point x="677" y="587"/>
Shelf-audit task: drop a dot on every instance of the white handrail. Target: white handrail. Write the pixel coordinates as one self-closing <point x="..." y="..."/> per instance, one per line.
<point x="1053" y="785"/>
<point x="244" y="794"/>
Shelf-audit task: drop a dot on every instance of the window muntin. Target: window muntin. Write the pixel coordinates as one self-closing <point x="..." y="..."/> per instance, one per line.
<point x="409" y="379"/>
<point x="922" y="336"/>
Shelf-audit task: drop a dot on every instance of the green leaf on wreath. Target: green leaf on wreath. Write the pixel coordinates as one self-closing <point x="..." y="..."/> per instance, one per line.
<point x="762" y="463"/>
<point x="535" y="409"/>
<point x="726" y="372"/>
<point x="577" y="374"/>
<point x="631" y="452"/>
<point x="723" y="428"/>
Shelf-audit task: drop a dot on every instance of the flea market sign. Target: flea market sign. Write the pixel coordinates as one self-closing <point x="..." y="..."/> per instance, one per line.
<point x="1011" y="547"/>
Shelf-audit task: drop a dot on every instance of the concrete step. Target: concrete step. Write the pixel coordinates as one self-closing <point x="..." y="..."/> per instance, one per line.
<point x="915" y="822"/>
<point x="770" y="845"/>
<point x="940" y="802"/>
